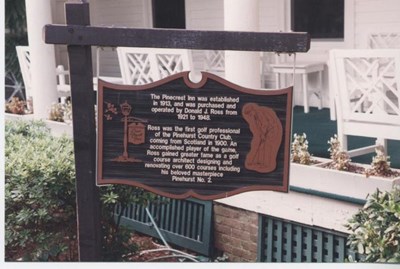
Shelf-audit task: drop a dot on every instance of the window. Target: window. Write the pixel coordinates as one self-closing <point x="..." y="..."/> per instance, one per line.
<point x="169" y="14"/>
<point x="322" y="19"/>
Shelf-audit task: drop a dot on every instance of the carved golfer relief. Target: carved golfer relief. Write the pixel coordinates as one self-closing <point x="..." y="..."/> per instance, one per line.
<point x="267" y="136"/>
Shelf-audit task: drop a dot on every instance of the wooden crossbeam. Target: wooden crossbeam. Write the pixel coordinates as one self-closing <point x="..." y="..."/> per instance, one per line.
<point x="173" y="38"/>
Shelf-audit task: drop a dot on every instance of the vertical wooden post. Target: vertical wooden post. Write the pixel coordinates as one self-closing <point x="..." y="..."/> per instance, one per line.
<point x="84" y="128"/>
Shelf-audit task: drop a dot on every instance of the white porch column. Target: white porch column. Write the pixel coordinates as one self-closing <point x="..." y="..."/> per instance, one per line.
<point x="242" y="68"/>
<point x="43" y="65"/>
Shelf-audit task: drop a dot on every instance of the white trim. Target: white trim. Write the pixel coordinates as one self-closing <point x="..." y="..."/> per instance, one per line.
<point x="294" y="206"/>
<point x="188" y="8"/>
<point x="147" y="13"/>
<point x="283" y="15"/>
<point x="349" y="23"/>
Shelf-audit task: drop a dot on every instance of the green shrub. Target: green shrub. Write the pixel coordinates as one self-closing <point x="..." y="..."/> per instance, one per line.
<point x="39" y="192"/>
<point x="26" y="129"/>
<point x="40" y="207"/>
<point x="116" y="245"/>
<point x="375" y="229"/>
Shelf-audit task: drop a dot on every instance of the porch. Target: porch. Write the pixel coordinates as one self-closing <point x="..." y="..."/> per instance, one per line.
<point x="266" y="16"/>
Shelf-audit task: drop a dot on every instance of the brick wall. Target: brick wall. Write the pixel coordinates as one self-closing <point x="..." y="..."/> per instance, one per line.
<point x="236" y="233"/>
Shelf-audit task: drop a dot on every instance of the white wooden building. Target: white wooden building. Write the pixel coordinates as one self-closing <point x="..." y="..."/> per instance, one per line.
<point x="361" y="18"/>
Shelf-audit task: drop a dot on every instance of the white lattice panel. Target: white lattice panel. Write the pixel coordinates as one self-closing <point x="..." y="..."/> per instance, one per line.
<point x="367" y="94"/>
<point x="169" y="64"/>
<point x="384" y="41"/>
<point x="139" y="68"/>
<point x="145" y="65"/>
<point x="24" y="60"/>
<point x="370" y="88"/>
<point x="214" y="61"/>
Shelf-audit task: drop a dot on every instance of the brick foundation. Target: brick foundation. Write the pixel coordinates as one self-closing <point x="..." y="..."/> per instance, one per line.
<point x="236" y="233"/>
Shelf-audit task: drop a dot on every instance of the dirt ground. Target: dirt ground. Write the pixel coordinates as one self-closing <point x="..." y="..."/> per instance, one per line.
<point x="145" y="254"/>
<point x="145" y="244"/>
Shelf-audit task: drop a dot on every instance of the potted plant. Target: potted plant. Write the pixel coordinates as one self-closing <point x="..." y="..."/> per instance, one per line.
<point x="338" y="175"/>
<point x="16" y="109"/>
<point x="299" y="150"/>
<point x="60" y="118"/>
<point x="16" y="106"/>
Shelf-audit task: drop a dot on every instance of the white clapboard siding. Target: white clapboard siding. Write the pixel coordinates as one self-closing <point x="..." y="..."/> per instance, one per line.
<point x="128" y="13"/>
<point x="121" y="13"/>
<point x="270" y="16"/>
<point x="271" y="20"/>
<point x="203" y="15"/>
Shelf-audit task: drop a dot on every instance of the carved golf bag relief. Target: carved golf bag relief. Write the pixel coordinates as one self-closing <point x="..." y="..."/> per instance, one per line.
<point x="134" y="129"/>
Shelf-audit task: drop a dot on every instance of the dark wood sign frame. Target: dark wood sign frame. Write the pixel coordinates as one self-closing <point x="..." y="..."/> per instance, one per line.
<point x="259" y="152"/>
<point x="79" y="36"/>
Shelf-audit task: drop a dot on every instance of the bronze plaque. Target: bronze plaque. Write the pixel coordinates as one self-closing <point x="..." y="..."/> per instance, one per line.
<point x="181" y="139"/>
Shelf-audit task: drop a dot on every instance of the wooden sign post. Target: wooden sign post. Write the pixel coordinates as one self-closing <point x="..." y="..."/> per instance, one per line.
<point x="130" y="127"/>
